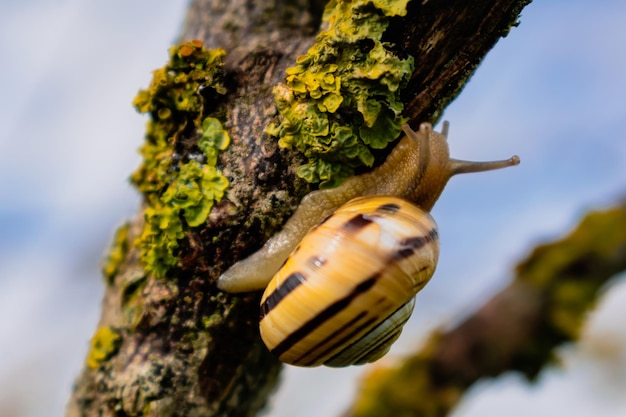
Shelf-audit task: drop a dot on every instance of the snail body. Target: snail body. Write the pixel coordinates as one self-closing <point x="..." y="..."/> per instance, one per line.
<point x="345" y="292"/>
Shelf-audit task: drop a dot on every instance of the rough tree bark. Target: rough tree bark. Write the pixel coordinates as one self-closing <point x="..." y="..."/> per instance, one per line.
<point x="192" y="350"/>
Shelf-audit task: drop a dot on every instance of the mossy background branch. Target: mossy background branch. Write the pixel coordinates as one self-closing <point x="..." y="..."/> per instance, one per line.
<point x="168" y="342"/>
<point x="518" y="329"/>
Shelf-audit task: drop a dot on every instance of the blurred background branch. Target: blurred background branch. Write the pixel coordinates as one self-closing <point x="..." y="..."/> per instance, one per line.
<point x="518" y="329"/>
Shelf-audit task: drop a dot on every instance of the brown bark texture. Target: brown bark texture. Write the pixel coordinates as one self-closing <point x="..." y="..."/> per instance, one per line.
<point x="193" y="350"/>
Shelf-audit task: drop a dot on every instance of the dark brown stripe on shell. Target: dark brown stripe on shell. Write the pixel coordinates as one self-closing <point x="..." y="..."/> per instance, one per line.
<point x="374" y="347"/>
<point x="291" y="283"/>
<point x="388" y="208"/>
<point x="363" y="358"/>
<point x="305" y="358"/>
<point x="356" y="223"/>
<point x="335" y="335"/>
<point x="390" y="336"/>
<point x="325" y="315"/>
<point x="343" y="340"/>
<point x="417" y="287"/>
<point x="413" y="244"/>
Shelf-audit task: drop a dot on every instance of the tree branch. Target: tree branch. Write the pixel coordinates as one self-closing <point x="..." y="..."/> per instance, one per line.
<point x="178" y="346"/>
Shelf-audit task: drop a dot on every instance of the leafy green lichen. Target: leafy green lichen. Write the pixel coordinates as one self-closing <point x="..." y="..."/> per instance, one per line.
<point x="342" y="99"/>
<point x="104" y="344"/>
<point x="190" y="197"/>
<point x="180" y="191"/>
<point x="214" y="138"/>
<point x="117" y="253"/>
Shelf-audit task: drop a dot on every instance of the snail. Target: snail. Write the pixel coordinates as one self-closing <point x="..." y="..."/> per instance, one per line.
<point x="360" y="253"/>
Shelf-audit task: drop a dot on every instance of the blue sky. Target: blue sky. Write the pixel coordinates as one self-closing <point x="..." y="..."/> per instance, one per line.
<point x="553" y="92"/>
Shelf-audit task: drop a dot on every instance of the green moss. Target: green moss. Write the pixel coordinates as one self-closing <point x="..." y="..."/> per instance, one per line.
<point x="104" y="344"/>
<point x="117" y="253"/>
<point x="180" y="192"/>
<point x="342" y="99"/>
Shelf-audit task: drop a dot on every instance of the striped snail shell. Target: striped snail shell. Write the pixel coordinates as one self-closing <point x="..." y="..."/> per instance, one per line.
<point x="340" y="294"/>
<point x="345" y="292"/>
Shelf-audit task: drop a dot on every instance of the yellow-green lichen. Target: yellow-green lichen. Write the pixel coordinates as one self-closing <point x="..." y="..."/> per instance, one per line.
<point x="117" y="253"/>
<point x="214" y="138"/>
<point x="104" y="344"/>
<point x="342" y="99"/>
<point x="190" y="197"/>
<point x="178" y="175"/>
